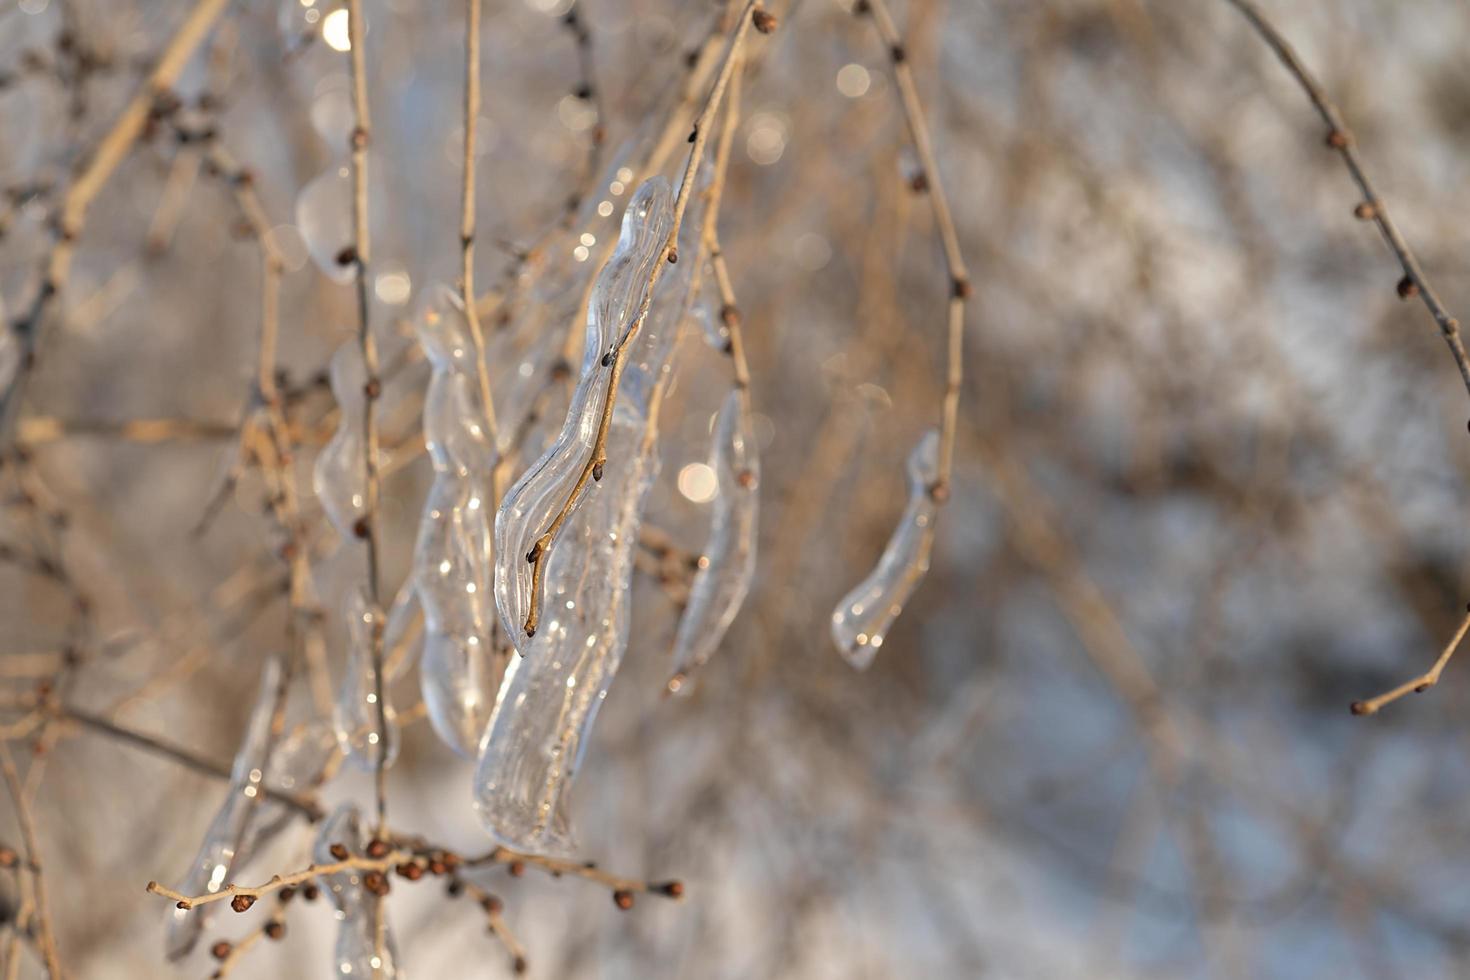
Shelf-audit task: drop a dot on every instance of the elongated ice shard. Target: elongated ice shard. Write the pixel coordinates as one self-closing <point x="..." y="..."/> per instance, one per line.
<point x="358" y="910"/>
<point x="355" y="715"/>
<point x="548" y="701"/>
<point x="453" y="560"/>
<point x="724" y="575"/>
<point x="544" y="488"/>
<point x="707" y="314"/>
<point x="228" y="832"/>
<point x="340" y="475"/>
<point x="863" y="617"/>
<point x="551" y="694"/>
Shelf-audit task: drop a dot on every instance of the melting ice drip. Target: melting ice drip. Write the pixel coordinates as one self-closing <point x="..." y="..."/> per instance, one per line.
<point x="863" y="617"/>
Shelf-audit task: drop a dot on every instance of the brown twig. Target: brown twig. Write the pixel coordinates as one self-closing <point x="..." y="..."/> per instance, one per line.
<point x="303" y="805"/>
<point x="959" y="279"/>
<point x="361" y="255"/>
<point x="1421" y="683"/>
<point x="1372" y="208"/>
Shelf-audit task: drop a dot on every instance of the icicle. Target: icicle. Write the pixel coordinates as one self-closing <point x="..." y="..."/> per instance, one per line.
<point x="324" y="218"/>
<point x="227" y="832"/>
<point x="550" y="696"/>
<point x="357" y="909"/>
<point x="355" y="715"/>
<point x="339" y="476"/>
<point x="548" y="702"/>
<point x="864" y="615"/>
<point x="542" y="490"/>
<point x="453" y="567"/>
<point x="707" y="315"/>
<point x="728" y="565"/>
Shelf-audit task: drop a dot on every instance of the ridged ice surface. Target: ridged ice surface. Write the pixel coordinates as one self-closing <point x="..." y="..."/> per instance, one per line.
<point x="453" y="564"/>
<point x="548" y="702"/>
<point x="339" y="476"/>
<point x="724" y="576"/>
<point x="545" y="486"/>
<point x="358" y="910"/>
<point x="863" y="617"/>
<point x="226" y="839"/>
<point x="355" y="714"/>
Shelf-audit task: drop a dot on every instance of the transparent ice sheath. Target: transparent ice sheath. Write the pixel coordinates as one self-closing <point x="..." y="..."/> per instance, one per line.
<point x="340" y="475"/>
<point x="863" y="617"/>
<point x="228" y="831"/>
<point x="357" y="909"/>
<point x="723" y="579"/>
<point x="539" y="494"/>
<point x="453" y="562"/>
<point x="355" y="715"/>
<point x="549" y="699"/>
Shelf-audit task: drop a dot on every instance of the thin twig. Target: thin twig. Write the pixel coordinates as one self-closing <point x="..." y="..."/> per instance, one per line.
<point x="301" y="804"/>
<point x="1372" y="208"/>
<point x="959" y="279"/>
<point x="1421" y="683"/>
<point x="366" y="527"/>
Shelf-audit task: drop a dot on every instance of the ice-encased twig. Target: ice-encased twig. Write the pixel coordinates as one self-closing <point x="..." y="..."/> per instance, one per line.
<point x="226" y="838"/>
<point x="355" y="714"/>
<point x="549" y="699"/>
<point x="453" y="566"/>
<point x="358" y="910"/>
<point x="544" y="488"/>
<point x="728" y="564"/>
<point x="340" y="476"/>
<point x="863" y="617"/>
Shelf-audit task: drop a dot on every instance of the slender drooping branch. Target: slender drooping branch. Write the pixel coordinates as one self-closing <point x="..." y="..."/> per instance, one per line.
<point x="959" y="279"/>
<point x="467" y="217"/>
<point x="1421" y="683"/>
<point x="361" y="255"/>
<point x="1372" y="207"/>
<point x="752" y="13"/>
<point x="729" y="308"/>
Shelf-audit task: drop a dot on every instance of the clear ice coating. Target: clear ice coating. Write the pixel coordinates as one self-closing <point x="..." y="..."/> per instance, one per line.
<point x="358" y="910"/>
<point x="724" y="576"/>
<point x="340" y="474"/>
<point x="542" y="489"/>
<point x="324" y="219"/>
<point x="707" y="316"/>
<point x="864" y="616"/>
<point x="453" y="560"/>
<point x="355" y="715"/>
<point x="548" y="701"/>
<point x="226" y="839"/>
